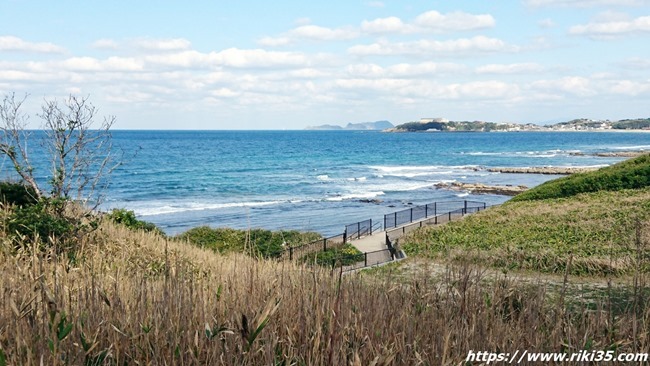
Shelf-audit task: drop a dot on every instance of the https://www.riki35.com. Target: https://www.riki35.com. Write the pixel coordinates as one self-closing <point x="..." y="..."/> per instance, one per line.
<point x="525" y="356"/>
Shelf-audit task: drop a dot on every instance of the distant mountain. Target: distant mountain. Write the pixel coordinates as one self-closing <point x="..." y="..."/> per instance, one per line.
<point x="362" y="126"/>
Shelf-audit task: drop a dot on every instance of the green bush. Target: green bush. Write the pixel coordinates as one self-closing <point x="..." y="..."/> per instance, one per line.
<point x="265" y="243"/>
<point x="127" y="218"/>
<point x="630" y="174"/>
<point x="343" y="256"/>
<point x="39" y="221"/>
<point x="17" y="194"/>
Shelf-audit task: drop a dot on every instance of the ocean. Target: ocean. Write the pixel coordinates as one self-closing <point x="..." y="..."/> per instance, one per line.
<point x="322" y="180"/>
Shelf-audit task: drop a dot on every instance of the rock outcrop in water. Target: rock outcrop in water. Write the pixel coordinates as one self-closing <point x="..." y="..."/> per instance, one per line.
<point x="480" y="188"/>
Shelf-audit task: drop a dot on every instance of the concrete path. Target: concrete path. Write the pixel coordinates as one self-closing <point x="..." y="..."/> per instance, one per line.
<point x="371" y="243"/>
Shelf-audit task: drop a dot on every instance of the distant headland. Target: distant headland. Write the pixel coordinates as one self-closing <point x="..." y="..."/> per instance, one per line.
<point x="361" y="126"/>
<point x="582" y="124"/>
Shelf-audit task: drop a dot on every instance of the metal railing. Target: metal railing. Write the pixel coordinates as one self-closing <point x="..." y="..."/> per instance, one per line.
<point x="401" y="222"/>
<point x="417" y="213"/>
<point x="319" y="245"/>
<point x="358" y="229"/>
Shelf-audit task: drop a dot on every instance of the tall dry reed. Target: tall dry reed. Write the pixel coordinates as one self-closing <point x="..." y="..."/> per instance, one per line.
<point x="135" y="298"/>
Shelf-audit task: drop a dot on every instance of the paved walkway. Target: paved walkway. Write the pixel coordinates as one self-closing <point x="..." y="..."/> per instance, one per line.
<point x="371" y="243"/>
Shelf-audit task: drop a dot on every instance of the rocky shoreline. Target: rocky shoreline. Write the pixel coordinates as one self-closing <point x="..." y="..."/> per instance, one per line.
<point x="480" y="188"/>
<point x="542" y="170"/>
<point x="617" y="154"/>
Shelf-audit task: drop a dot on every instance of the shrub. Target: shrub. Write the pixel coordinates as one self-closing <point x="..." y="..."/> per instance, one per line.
<point x="127" y="218"/>
<point x="39" y="222"/>
<point x="344" y="256"/>
<point x="265" y="243"/>
<point x="17" y="194"/>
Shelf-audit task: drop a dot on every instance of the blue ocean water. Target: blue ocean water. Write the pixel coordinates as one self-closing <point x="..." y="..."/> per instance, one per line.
<point x="317" y="180"/>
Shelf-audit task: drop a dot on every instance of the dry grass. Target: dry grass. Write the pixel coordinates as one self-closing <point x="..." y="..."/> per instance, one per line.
<point x="134" y="298"/>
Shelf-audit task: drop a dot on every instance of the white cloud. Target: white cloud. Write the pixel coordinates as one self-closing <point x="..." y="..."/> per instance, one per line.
<point x="518" y="68"/>
<point x="176" y="44"/>
<point x="586" y="3"/>
<point x="461" y="46"/>
<point x="11" y="43"/>
<point x="456" y="21"/>
<point x="574" y="85"/>
<point x="386" y="25"/>
<point x="403" y="70"/>
<point x="431" y="21"/>
<point x="609" y="29"/>
<point x="105" y="43"/>
<point x="317" y="33"/>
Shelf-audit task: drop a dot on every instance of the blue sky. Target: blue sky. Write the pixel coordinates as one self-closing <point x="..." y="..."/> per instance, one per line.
<point x="291" y="64"/>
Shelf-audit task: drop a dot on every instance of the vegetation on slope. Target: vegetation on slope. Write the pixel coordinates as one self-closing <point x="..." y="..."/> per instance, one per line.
<point x="629" y="174"/>
<point x="137" y="298"/>
<point x="256" y="242"/>
<point x="467" y="126"/>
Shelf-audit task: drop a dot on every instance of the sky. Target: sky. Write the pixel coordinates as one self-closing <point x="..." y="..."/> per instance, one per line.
<point x="290" y="64"/>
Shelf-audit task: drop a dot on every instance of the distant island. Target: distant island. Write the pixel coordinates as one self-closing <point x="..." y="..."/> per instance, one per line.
<point x="362" y="126"/>
<point x="582" y="124"/>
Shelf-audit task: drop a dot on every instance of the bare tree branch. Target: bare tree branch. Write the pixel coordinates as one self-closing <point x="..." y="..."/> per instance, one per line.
<point x="14" y="139"/>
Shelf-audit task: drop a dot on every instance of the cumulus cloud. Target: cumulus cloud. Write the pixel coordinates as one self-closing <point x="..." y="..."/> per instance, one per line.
<point x="431" y="21"/>
<point x="403" y="70"/>
<point x="386" y="25"/>
<point x="11" y="43"/>
<point x="460" y="46"/>
<point x="518" y="68"/>
<point x="107" y="44"/>
<point x="610" y="29"/>
<point x="456" y="21"/>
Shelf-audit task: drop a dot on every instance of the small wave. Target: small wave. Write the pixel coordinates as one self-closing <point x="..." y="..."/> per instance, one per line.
<point x="351" y="196"/>
<point x="323" y="177"/>
<point x="638" y="147"/>
<point x="170" y="209"/>
<point x="360" y="179"/>
<point x="465" y="194"/>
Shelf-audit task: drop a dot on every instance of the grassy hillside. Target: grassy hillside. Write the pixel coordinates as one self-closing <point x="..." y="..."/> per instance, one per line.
<point x="597" y="229"/>
<point x="595" y="220"/>
<point x="630" y="174"/>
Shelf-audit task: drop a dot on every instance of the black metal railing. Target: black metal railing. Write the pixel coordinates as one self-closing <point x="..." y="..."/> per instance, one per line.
<point x="400" y="222"/>
<point x="358" y="229"/>
<point x="418" y="213"/>
<point x="319" y="245"/>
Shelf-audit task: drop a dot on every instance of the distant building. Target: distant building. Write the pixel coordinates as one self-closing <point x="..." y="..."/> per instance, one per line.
<point x="428" y="120"/>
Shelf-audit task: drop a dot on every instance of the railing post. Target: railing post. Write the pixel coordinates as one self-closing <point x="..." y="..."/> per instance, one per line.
<point x="365" y="259"/>
<point x="290" y="253"/>
<point x="435" y="210"/>
<point x="385" y="221"/>
<point x="370" y="227"/>
<point x="449" y="216"/>
<point x="465" y="206"/>
<point x="395" y="222"/>
<point x="325" y="244"/>
<point x="426" y="210"/>
<point x="411" y="215"/>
